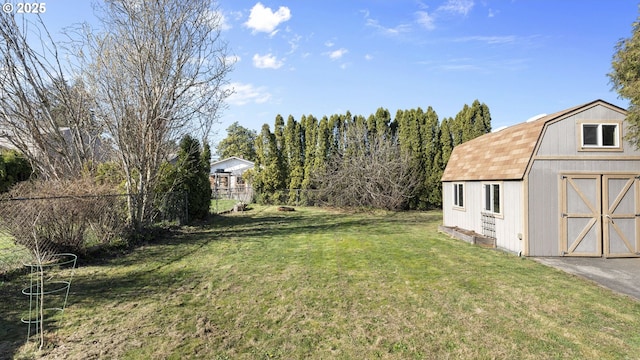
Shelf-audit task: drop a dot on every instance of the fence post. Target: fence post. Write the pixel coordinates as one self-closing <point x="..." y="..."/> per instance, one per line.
<point x="186" y="206"/>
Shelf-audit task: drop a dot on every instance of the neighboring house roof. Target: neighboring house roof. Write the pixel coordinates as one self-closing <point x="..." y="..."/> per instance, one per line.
<point x="504" y="154"/>
<point x="232" y="164"/>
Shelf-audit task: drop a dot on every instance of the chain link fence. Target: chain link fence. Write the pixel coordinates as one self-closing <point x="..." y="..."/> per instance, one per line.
<point x="52" y="225"/>
<point x="292" y="197"/>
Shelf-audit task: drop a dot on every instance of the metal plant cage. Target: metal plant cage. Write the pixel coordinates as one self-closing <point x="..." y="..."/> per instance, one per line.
<point x="48" y="290"/>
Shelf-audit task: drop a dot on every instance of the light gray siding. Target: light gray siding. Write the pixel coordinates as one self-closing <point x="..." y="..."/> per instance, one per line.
<point x="510" y="229"/>
<point x="559" y="153"/>
<point x="508" y="225"/>
<point x="469" y="217"/>
<point x="544" y="201"/>
<point x="562" y="138"/>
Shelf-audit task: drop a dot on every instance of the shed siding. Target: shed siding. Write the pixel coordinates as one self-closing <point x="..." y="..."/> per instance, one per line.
<point x="562" y="138"/>
<point x="507" y="226"/>
<point x="468" y="218"/>
<point x="544" y="202"/>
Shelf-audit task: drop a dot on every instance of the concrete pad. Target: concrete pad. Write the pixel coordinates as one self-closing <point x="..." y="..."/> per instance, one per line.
<point x="621" y="275"/>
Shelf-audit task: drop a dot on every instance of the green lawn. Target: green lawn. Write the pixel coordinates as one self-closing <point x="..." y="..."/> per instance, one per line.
<point x="318" y="284"/>
<point x="222" y="205"/>
<point x="12" y="256"/>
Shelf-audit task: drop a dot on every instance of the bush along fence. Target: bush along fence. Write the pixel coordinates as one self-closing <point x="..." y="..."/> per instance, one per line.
<point x="44" y="235"/>
<point x="72" y="224"/>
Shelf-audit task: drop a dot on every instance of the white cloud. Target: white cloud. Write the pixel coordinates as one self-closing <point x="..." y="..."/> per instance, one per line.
<point x="388" y="31"/>
<point x="294" y="42"/>
<point x="329" y="43"/>
<point x="267" y="61"/>
<point x="425" y="20"/>
<point x="394" y="31"/>
<point x="244" y="94"/>
<point x="491" y="40"/>
<point x="337" y="54"/>
<point x="368" y="57"/>
<point x="263" y="19"/>
<point x="461" y="7"/>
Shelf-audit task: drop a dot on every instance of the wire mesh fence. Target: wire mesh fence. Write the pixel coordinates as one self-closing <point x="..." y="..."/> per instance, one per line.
<point x="292" y="197"/>
<point x="224" y="199"/>
<point x="51" y="225"/>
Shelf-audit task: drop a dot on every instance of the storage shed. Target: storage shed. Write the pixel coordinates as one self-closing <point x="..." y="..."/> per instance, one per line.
<point x="565" y="184"/>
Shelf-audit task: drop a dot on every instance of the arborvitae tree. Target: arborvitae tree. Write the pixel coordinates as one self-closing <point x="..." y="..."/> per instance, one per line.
<point x="371" y="126"/>
<point x="239" y="142"/>
<point x="480" y="119"/>
<point x="278" y="132"/>
<point x="206" y="156"/>
<point x="460" y="127"/>
<point x="340" y="137"/>
<point x="269" y="179"/>
<point x="424" y="143"/>
<point x="471" y="122"/>
<point x="323" y="145"/>
<point x="430" y="136"/>
<point x="434" y="181"/>
<point x="352" y="147"/>
<point x="310" y="127"/>
<point x="382" y="119"/>
<point x="446" y="141"/>
<point x="192" y="176"/>
<point x="410" y="124"/>
<point x="294" y="150"/>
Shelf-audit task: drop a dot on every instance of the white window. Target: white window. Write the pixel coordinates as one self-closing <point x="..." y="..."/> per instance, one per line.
<point x="606" y="135"/>
<point x="458" y="195"/>
<point x="492" y="198"/>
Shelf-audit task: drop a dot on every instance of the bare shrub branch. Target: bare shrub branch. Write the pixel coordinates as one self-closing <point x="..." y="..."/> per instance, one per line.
<point x="41" y="114"/>
<point x="157" y="70"/>
<point x="59" y="216"/>
<point x="371" y="172"/>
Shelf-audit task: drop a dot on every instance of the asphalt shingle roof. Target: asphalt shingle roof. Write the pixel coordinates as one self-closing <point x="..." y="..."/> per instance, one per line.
<point x="501" y="155"/>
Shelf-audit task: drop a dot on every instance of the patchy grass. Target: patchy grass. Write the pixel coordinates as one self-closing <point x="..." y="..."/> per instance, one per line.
<point x="320" y="284"/>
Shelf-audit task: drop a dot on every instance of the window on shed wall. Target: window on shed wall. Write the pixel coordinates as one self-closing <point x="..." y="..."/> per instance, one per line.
<point x="604" y="135"/>
<point x="492" y="198"/>
<point x="458" y="195"/>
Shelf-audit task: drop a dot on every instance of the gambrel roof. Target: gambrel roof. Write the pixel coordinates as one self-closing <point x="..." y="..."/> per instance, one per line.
<point x="504" y="154"/>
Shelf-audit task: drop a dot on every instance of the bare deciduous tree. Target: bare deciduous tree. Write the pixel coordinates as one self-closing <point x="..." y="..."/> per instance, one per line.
<point x="151" y="72"/>
<point x="370" y="172"/>
<point x="157" y="70"/>
<point x="41" y="114"/>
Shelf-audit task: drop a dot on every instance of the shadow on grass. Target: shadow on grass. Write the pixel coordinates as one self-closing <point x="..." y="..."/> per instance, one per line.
<point x="12" y="332"/>
<point x="146" y="278"/>
<point x="270" y="225"/>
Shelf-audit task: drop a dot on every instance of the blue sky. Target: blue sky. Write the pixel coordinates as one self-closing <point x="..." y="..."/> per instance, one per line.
<point x="520" y="57"/>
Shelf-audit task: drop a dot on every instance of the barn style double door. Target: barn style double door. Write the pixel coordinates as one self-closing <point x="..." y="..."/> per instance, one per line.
<point x="600" y="215"/>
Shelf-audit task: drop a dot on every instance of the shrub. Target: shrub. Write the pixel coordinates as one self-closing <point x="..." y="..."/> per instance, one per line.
<point x="61" y="216"/>
<point x="13" y="169"/>
<point x="189" y="175"/>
